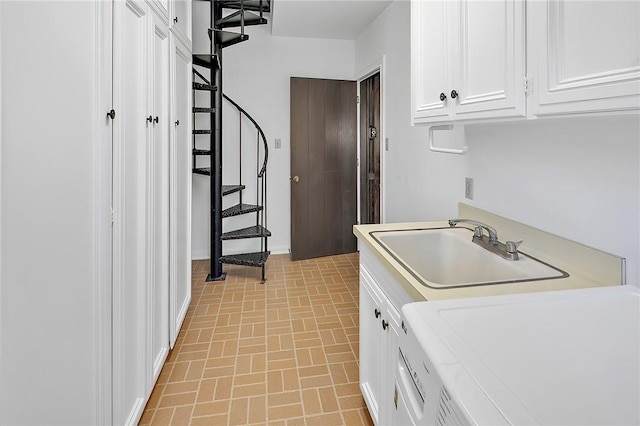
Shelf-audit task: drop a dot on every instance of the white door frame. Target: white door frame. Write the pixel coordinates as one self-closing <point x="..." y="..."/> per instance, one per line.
<point x="366" y="72"/>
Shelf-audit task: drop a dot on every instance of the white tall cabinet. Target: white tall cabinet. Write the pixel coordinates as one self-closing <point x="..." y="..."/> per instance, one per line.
<point x="131" y="137"/>
<point x="95" y="178"/>
<point x="158" y="189"/>
<point x="180" y="185"/>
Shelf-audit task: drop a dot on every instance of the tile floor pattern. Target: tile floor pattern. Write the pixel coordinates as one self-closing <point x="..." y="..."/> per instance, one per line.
<point x="280" y="353"/>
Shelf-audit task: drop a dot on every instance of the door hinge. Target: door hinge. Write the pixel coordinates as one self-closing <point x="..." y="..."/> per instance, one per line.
<point x="357" y="99"/>
<point x="528" y="85"/>
<point x="113" y="213"/>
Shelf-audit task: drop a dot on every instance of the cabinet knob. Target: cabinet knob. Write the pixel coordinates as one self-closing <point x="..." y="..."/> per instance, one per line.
<point x="454" y="94"/>
<point x="175" y="20"/>
<point x="177" y="122"/>
<point x="377" y="312"/>
<point x="385" y="324"/>
<point x="155" y="120"/>
<point x="150" y="118"/>
<point x="111" y="114"/>
<point x="443" y="97"/>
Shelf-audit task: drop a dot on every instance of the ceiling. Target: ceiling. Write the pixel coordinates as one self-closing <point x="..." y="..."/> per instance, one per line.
<point x="344" y="19"/>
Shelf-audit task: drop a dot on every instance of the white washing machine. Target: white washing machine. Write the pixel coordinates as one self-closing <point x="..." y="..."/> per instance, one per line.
<point x="556" y="358"/>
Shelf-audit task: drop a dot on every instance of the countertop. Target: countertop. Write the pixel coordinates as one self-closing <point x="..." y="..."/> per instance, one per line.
<point x="587" y="267"/>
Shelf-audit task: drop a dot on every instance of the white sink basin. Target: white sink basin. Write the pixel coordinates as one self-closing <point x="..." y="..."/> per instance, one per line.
<point x="446" y="257"/>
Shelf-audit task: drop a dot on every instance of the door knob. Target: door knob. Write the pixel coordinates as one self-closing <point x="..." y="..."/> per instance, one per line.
<point x="296" y="179"/>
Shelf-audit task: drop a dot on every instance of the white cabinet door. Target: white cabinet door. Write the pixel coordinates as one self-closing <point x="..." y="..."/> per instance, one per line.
<point x="391" y="329"/>
<point x="158" y="197"/>
<point x="180" y="217"/>
<point x="468" y="60"/>
<point x="381" y="297"/>
<point x="160" y="7"/>
<point x="489" y="65"/>
<point x="371" y="344"/>
<point x="130" y="92"/>
<point x="181" y="20"/>
<point x="431" y="61"/>
<point x="587" y="55"/>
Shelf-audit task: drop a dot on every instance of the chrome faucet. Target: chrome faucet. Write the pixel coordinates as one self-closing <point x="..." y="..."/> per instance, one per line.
<point x="508" y="250"/>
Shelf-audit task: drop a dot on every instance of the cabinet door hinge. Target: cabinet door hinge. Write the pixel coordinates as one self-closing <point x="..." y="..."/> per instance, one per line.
<point x="113" y="213"/>
<point x="528" y="85"/>
<point x="358" y="99"/>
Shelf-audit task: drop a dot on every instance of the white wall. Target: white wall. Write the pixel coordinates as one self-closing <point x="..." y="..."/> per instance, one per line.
<point x="577" y="178"/>
<point x="256" y="75"/>
<point x="47" y="312"/>
<point x="418" y="184"/>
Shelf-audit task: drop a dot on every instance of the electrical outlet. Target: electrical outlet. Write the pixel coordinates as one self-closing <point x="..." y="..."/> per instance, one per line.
<point x="468" y="188"/>
<point x="278" y="143"/>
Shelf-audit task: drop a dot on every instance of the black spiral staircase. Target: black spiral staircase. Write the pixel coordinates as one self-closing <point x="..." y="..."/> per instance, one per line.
<point x="208" y="142"/>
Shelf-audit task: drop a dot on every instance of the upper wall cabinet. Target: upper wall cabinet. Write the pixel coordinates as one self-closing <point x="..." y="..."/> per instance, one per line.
<point x="467" y="60"/>
<point x="181" y="20"/>
<point x="585" y="56"/>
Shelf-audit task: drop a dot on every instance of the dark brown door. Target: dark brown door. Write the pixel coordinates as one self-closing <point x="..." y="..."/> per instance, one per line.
<point x="323" y="167"/>
<point x="370" y="149"/>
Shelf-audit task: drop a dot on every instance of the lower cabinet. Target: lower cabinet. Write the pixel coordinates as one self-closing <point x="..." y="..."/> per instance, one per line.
<point x="381" y="298"/>
<point x="372" y="303"/>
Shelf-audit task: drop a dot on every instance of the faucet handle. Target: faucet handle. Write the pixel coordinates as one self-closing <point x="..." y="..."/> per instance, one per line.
<point x="477" y="232"/>
<point x="512" y="247"/>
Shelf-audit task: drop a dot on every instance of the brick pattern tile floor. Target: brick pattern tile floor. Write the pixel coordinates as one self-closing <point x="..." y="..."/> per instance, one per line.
<point x="282" y="353"/>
